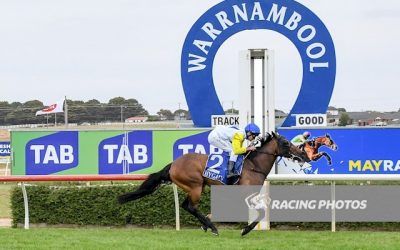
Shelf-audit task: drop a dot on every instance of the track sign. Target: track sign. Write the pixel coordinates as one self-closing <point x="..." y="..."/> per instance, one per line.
<point x="225" y="120"/>
<point x="311" y="120"/>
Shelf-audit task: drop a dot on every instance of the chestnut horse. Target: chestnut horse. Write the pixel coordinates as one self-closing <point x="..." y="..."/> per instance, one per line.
<point x="312" y="147"/>
<point x="186" y="172"/>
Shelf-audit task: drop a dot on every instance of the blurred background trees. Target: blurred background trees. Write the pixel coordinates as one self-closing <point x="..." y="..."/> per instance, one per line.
<point x="116" y="109"/>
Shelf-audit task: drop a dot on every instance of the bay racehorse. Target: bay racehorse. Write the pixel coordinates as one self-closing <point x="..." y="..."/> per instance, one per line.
<point x="311" y="147"/>
<point x="186" y="172"/>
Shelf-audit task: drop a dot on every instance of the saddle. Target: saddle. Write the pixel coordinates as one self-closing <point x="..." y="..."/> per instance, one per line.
<point x="217" y="168"/>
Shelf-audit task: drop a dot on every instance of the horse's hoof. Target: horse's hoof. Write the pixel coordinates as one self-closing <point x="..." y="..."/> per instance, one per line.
<point x="204" y="228"/>
<point x="215" y="232"/>
<point x="245" y="231"/>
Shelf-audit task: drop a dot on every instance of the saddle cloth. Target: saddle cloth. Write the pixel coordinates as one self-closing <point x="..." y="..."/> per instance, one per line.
<point x="217" y="167"/>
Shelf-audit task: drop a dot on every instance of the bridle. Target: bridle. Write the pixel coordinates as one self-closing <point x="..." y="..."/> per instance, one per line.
<point x="259" y="151"/>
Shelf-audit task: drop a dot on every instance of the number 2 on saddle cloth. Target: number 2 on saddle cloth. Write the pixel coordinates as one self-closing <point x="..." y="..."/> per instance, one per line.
<point x="217" y="167"/>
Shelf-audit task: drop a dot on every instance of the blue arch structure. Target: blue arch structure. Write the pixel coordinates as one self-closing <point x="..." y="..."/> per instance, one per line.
<point x="291" y="19"/>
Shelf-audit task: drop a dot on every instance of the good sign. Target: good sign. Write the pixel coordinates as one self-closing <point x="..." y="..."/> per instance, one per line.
<point x="311" y="120"/>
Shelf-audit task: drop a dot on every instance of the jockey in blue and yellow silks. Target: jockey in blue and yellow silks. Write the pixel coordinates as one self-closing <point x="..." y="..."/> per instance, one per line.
<point x="230" y="140"/>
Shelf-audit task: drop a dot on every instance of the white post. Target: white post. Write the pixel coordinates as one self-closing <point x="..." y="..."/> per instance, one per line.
<point x="245" y="87"/>
<point x="7" y="170"/>
<point x="257" y="92"/>
<point x="26" y="206"/>
<point x="66" y="112"/>
<point x="270" y="91"/>
<point x="176" y="199"/>
<point x="333" y="199"/>
<point x="268" y="210"/>
<point x="257" y="88"/>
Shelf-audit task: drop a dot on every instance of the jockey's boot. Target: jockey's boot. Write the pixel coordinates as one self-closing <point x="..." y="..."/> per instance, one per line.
<point x="231" y="164"/>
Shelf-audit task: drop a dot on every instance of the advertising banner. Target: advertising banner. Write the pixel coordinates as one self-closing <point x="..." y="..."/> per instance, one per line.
<point x="303" y="203"/>
<point x="294" y="21"/>
<point x="347" y="151"/>
<point x="333" y="151"/>
<point x="5" y="148"/>
<point x="101" y="152"/>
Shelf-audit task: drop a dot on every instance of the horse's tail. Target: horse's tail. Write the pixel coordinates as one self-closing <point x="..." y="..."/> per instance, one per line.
<point x="148" y="186"/>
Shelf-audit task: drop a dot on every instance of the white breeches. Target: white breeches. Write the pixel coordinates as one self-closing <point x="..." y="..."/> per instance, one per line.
<point x="225" y="145"/>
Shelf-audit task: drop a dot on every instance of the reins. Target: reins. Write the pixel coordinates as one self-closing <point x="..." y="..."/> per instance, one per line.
<point x="261" y="152"/>
<point x="258" y="172"/>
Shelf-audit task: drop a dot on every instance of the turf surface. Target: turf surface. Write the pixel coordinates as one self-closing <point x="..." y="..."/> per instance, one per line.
<point x="103" y="238"/>
<point x="5" y="209"/>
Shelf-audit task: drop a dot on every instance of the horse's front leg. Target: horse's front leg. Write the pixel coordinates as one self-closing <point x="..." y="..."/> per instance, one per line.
<point x="315" y="157"/>
<point x="319" y="155"/>
<point x="251" y="226"/>
<point x="328" y="158"/>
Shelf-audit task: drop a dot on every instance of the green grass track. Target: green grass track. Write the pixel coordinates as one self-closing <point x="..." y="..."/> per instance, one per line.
<point x="104" y="238"/>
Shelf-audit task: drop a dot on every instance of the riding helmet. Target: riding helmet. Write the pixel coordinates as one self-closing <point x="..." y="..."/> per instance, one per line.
<point x="252" y="128"/>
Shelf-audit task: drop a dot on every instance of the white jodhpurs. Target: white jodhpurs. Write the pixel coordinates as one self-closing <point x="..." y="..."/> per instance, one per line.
<point x="220" y="143"/>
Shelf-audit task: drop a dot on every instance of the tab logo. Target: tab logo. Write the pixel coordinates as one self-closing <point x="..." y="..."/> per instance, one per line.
<point x="52" y="153"/>
<point x="126" y="153"/>
<point x="194" y="144"/>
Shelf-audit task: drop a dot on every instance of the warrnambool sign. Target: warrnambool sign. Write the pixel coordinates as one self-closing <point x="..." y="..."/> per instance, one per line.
<point x="287" y="17"/>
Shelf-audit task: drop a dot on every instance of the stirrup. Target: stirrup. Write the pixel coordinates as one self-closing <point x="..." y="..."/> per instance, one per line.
<point x="230" y="175"/>
<point x="232" y="180"/>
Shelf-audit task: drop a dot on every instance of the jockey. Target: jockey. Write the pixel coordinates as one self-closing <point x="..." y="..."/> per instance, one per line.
<point x="230" y="139"/>
<point x="301" y="139"/>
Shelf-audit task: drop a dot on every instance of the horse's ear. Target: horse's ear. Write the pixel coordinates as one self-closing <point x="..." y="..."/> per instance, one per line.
<point x="273" y="134"/>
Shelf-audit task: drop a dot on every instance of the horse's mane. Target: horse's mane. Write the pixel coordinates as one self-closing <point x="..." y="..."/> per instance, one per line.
<point x="264" y="140"/>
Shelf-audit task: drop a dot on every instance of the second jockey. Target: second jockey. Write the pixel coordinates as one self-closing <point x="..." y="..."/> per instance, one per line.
<point x="301" y="139"/>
